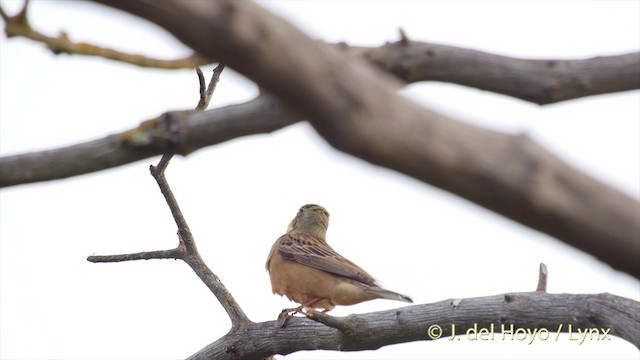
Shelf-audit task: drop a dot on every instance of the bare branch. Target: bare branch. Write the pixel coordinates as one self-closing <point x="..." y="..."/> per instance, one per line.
<point x="158" y="173"/>
<point x="404" y="39"/>
<point x="146" y="255"/>
<point x="153" y="137"/>
<point x="540" y="81"/>
<point x="602" y="315"/>
<point x="542" y="278"/>
<point x="543" y="82"/>
<point x="411" y="62"/>
<point x="18" y="26"/>
<point x="186" y="249"/>
<point x="205" y="95"/>
<point x="190" y="253"/>
<point x="187" y="246"/>
<point x="202" y="81"/>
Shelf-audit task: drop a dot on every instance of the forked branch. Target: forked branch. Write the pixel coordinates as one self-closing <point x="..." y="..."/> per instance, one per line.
<point x="186" y="249"/>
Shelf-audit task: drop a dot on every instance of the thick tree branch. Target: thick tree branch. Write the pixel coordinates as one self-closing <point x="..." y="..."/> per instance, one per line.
<point x="601" y="315"/>
<point x="356" y="109"/>
<point x="409" y="60"/>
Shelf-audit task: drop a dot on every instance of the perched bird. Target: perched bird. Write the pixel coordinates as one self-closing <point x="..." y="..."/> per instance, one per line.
<point x="304" y="268"/>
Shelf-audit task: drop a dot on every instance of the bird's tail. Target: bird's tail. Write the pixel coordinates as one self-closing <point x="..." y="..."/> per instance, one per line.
<point x="388" y="294"/>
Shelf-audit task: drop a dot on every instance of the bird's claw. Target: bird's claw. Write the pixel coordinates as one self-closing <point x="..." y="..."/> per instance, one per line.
<point x="284" y="317"/>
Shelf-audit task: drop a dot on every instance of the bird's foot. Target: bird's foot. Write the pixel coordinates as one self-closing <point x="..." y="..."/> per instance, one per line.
<point x="286" y="314"/>
<point x="307" y="305"/>
<point x="296" y="310"/>
<point x="284" y="317"/>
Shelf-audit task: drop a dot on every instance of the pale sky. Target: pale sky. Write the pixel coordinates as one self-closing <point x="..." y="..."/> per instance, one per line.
<point x="416" y="239"/>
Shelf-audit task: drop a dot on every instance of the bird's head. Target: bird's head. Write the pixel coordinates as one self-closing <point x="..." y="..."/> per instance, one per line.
<point x="311" y="219"/>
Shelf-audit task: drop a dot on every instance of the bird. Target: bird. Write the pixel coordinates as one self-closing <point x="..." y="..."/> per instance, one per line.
<point x="305" y="269"/>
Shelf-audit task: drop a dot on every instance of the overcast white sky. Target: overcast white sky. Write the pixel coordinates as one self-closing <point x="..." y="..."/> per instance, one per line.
<point x="419" y="240"/>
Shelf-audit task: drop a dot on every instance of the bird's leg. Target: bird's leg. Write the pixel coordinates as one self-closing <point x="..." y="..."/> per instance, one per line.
<point x="298" y="310"/>
<point x="310" y="303"/>
<point x="286" y="314"/>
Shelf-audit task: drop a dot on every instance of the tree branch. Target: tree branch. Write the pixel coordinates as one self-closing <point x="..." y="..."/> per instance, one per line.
<point x="409" y="60"/>
<point x="542" y="82"/>
<point x="189" y="252"/>
<point x="207" y="92"/>
<point x="186" y="249"/>
<point x="174" y="253"/>
<point x="179" y="131"/>
<point x="18" y="26"/>
<point x="545" y="81"/>
<point x="542" y="278"/>
<point x="350" y="104"/>
<point x="596" y="316"/>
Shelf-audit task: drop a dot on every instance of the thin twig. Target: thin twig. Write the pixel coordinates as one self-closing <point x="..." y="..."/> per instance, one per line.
<point x="404" y="39"/>
<point x="190" y="252"/>
<point x="158" y="173"/>
<point x="18" y="25"/>
<point x="186" y="249"/>
<point x="205" y="96"/>
<point x="542" y="278"/>
<point x="145" y="255"/>
<point x="202" y="81"/>
<point x="164" y="162"/>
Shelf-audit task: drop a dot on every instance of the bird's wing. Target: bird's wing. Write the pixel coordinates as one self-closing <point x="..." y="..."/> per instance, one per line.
<point x="316" y="253"/>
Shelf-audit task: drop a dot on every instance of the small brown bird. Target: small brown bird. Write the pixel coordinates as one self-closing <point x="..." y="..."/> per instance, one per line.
<point x="303" y="267"/>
